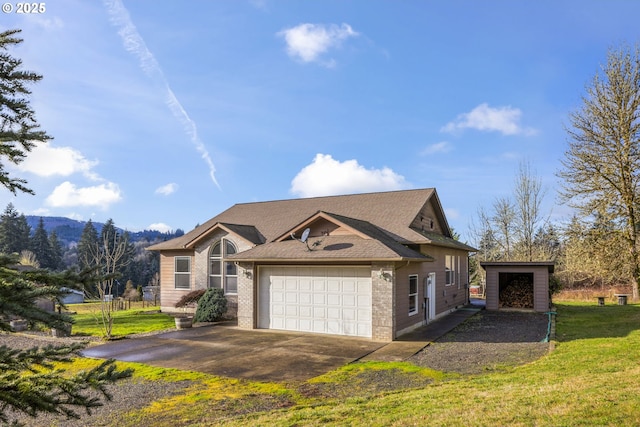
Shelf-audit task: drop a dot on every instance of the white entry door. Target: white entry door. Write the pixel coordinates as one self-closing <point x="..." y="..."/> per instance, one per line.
<point x="430" y="297"/>
<point x="329" y="300"/>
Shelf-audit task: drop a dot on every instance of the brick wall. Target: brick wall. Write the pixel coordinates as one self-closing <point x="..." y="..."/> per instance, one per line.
<point x="246" y="296"/>
<point x="383" y="302"/>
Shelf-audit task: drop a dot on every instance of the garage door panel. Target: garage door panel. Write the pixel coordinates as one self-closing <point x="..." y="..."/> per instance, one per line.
<point x="349" y="300"/>
<point x="306" y="298"/>
<point x="333" y="285"/>
<point x="334" y="300"/>
<point x="349" y="286"/>
<point x="349" y="315"/>
<point x="291" y="298"/>
<point x="305" y="311"/>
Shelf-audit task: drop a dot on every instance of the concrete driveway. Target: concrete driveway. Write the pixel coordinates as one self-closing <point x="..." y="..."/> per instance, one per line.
<point x="226" y="350"/>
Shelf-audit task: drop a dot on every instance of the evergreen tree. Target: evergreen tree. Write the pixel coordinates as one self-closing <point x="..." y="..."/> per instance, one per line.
<point x="30" y="383"/>
<point x="41" y="247"/>
<point x="19" y="130"/>
<point x="87" y="244"/>
<point x="14" y="231"/>
<point x="56" y="251"/>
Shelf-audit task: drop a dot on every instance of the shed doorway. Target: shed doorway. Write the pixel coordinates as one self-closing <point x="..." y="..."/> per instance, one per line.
<point x="515" y="290"/>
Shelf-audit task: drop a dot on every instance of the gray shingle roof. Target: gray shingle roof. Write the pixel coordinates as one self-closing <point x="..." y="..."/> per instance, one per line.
<point x="391" y="211"/>
<point x="329" y="248"/>
<point x="384" y="217"/>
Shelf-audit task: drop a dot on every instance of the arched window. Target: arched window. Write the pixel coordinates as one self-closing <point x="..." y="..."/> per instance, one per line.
<point x="223" y="274"/>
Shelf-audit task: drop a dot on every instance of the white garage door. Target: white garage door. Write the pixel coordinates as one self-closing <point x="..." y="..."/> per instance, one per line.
<point x="329" y="300"/>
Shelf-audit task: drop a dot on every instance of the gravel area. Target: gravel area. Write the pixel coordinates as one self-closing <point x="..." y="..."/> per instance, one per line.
<point x="488" y="341"/>
<point x="127" y="395"/>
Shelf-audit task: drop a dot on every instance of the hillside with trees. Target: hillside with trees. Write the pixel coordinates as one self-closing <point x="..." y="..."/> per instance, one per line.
<point x="58" y="243"/>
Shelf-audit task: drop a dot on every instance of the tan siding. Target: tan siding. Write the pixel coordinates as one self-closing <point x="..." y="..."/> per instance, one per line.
<point x="423" y="220"/>
<point x="492" y="289"/>
<point x="169" y="295"/>
<point x="403" y="319"/>
<point x="447" y="297"/>
<point x="541" y="290"/>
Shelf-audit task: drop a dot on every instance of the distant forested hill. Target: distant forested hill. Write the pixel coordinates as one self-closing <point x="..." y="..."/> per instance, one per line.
<point x="69" y="230"/>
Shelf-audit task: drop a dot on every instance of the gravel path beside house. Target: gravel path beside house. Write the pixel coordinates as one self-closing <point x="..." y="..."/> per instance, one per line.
<point x="488" y="341"/>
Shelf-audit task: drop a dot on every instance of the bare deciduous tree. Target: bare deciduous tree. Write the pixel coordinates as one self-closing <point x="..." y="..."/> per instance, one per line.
<point x="109" y="256"/>
<point x="601" y="168"/>
<point x="528" y="194"/>
<point x="507" y="233"/>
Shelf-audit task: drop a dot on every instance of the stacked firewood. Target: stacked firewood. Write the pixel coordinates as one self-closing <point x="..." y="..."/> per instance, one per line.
<point x="517" y="294"/>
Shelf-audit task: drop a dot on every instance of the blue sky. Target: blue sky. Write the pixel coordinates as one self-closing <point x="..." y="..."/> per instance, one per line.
<point x="165" y="113"/>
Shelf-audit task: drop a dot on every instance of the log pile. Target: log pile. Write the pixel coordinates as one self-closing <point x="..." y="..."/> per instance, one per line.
<point x="517" y="294"/>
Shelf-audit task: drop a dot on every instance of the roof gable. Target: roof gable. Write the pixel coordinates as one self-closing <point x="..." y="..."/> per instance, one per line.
<point x="249" y="233"/>
<point x="393" y="216"/>
<point x="322" y="224"/>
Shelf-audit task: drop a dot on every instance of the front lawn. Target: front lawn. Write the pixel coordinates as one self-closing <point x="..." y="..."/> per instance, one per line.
<point x="125" y="322"/>
<point x="591" y="378"/>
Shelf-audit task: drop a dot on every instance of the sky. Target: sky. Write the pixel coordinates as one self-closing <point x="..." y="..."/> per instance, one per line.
<point x="166" y="113"/>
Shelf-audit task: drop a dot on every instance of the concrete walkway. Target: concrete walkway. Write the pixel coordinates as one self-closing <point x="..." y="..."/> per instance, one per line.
<point x="407" y="345"/>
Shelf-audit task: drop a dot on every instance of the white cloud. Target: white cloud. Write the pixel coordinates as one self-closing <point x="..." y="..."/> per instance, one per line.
<point x="46" y="160"/>
<point x="160" y="226"/>
<point x="485" y="118"/>
<point x="168" y="189"/>
<point x="438" y="147"/>
<point x="326" y="177"/>
<point x="68" y="195"/>
<point x="308" y="42"/>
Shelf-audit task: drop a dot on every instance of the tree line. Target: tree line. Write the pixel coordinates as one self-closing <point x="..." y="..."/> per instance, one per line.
<point x="600" y="181"/>
<point x="40" y="249"/>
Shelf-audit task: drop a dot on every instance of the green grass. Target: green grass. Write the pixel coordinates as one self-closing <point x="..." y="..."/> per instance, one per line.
<point x="592" y="378"/>
<point x="125" y="322"/>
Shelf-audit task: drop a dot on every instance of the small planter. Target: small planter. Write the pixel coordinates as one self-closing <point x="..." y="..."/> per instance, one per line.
<point x="184" y="322"/>
<point x="61" y="332"/>
<point x="18" y="325"/>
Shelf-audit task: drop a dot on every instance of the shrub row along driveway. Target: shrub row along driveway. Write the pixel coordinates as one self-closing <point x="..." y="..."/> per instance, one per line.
<point x="228" y="351"/>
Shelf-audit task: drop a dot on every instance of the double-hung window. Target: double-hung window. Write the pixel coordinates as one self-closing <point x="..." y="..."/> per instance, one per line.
<point x="413" y="294"/>
<point x="450" y="270"/>
<point x="223" y="274"/>
<point x="182" y="272"/>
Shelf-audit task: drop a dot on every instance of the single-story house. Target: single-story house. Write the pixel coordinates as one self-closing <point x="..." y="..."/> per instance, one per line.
<point x="373" y="265"/>
<point x="73" y="296"/>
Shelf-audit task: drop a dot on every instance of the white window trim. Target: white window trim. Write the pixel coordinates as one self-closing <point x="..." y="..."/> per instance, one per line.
<point x="176" y="272"/>
<point x="223" y="274"/>
<point x="449" y="270"/>
<point x="458" y="273"/>
<point x="414" y="295"/>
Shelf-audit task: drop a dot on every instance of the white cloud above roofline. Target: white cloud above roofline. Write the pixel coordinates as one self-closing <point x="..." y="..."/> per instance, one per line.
<point x="326" y="176"/>
<point x="167" y="189"/>
<point x="160" y="226"/>
<point x="309" y="42"/>
<point x="47" y="160"/>
<point x="505" y="120"/>
<point x="68" y="194"/>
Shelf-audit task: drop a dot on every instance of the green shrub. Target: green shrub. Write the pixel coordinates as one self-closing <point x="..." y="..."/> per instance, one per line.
<point x="211" y="306"/>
